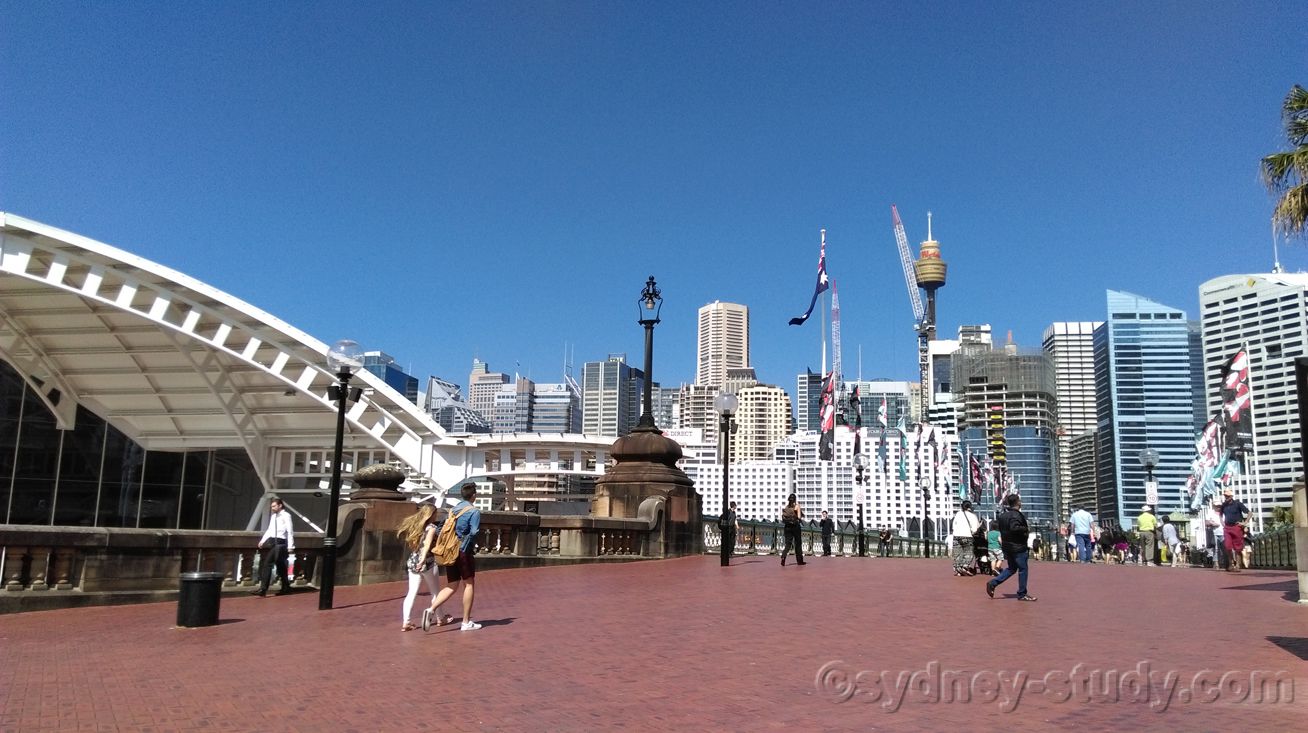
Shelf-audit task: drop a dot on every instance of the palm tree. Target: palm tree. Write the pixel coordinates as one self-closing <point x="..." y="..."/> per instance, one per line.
<point x="1286" y="174"/>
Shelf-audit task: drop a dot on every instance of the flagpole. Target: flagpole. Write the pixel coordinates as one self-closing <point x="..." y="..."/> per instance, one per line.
<point x="1257" y="494"/>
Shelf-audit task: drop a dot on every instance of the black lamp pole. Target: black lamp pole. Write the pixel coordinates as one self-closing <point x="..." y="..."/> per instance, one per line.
<point x="327" y="585"/>
<point x="858" y="478"/>
<point x="651" y="303"/>
<point x="926" y="499"/>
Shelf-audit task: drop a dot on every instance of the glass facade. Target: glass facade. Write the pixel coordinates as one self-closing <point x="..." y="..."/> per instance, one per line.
<point x="95" y="476"/>
<point x="1146" y="398"/>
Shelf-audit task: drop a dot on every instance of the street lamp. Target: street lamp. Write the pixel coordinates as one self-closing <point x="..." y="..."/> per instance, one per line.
<point x="343" y="359"/>
<point x="926" y="501"/>
<point x="860" y="495"/>
<point x="1149" y="460"/>
<point x="650" y="305"/>
<point x="725" y="403"/>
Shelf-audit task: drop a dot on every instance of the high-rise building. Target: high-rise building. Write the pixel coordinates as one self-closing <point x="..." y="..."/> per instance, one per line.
<point x="444" y="402"/>
<point x="1005" y="402"/>
<point x="723" y="342"/>
<point x="1267" y="315"/>
<point x="871" y="392"/>
<point x="763" y="419"/>
<point x="483" y="385"/>
<point x="667" y="407"/>
<point x="556" y="407"/>
<point x="383" y="365"/>
<point x="1070" y="345"/>
<point x="1145" y="398"/>
<point x="610" y="396"/>
<point x="808" y="402"/>
<point x="696" y="410"/>
<point x="1081" y="459"/>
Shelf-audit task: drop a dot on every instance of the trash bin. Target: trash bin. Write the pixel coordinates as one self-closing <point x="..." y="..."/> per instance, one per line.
<point x="197" y="599"/>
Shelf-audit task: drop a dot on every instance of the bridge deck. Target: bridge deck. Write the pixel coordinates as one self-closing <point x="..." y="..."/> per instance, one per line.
<point x="678" y="644"/>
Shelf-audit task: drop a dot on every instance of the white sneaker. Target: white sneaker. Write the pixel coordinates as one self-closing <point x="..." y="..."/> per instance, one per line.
<point x="469" y="626"/>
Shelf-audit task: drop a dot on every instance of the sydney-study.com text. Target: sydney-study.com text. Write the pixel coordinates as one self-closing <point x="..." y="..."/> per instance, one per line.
<point x="1156" y="688"/>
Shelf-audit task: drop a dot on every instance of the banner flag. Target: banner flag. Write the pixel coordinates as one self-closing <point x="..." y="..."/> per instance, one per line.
<point x="821" y="287"/>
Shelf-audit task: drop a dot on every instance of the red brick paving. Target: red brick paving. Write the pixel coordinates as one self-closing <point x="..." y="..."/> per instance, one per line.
<point x="679" y="644"/>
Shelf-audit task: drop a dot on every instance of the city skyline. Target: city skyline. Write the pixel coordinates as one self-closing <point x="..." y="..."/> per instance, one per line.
<point x="349" y="168"/>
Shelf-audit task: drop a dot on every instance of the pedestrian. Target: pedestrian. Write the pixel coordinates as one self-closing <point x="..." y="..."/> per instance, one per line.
<point x="994" y="548"/>
<point x="277" y="542"/>
<point x="1213" y="533"/>
<point x="1082" y="522"/>
<point x="1233" y="512"/>
<point x="1173" y="541"/>
<point x="963" y="527"/>
<point x="828" y="529"/>
<point x="467" y="523"/>
<point x="1013" y="531"/>
<point x="418" y="533"/>
<point x="883" y="542"/>
<point x="1146" y="524"/>
<point x="791" y="513"/>
<point x="728" y="524"/>
<point x="1246" y="555"/>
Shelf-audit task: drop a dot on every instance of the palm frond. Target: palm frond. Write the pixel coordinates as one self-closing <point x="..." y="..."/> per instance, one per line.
<point x="1291" y="212"/>
<point x="1282" y="171"/>
<point x="1296" y="102"/>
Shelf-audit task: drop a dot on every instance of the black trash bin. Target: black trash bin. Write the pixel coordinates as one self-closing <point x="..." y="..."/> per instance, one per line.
<point x="197" y="599"/>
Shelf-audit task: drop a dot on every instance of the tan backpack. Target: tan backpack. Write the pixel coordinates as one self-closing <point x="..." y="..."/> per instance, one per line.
<point x="446" y="549"/>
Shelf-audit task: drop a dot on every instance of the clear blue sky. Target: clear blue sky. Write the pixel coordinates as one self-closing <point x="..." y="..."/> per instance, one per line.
<point x="450" y="180"/>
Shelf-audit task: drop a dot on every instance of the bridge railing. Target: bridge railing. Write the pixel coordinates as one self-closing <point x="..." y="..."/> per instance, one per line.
<point x="1274" y="549"/>
<point x="768" y="538"/>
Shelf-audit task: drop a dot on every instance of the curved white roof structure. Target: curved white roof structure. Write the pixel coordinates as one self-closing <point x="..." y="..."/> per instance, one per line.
<point x="176" y="364"/>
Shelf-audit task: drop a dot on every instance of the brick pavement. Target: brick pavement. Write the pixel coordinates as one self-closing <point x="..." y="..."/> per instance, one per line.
<point x="679" y="644"/>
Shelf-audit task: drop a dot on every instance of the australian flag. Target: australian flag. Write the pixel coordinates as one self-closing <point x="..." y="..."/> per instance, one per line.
<point x="822" y="284"/>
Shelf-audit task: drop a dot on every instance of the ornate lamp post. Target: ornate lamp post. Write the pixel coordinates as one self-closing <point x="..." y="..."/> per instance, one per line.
<point x="343" y="359"/>
<point x="1149" y="460"/>
<point x="725" y="403"/>
<point x="650" y="304"/>
<point x="860" y="495"/>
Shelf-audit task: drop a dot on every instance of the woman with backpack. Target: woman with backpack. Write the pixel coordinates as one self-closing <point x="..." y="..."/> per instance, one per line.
<point x="418" y="533"/>
<point x="791" y="513"/>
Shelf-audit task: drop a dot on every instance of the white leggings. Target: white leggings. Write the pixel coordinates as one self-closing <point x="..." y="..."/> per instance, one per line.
<point x="433" y="584"/>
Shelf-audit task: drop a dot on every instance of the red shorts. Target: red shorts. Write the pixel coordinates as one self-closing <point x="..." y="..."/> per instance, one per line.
<point x="463" y="568"/>
<point x="1234" y="537"/>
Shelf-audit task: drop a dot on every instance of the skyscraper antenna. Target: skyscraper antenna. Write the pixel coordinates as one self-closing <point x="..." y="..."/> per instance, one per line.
<point x="929" y="239"/>
<point x="1276" y="252"/>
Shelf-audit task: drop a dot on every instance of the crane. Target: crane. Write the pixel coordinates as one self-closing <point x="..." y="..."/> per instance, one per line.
<point x="837" y="376"/>
<point x="924" y="330"/>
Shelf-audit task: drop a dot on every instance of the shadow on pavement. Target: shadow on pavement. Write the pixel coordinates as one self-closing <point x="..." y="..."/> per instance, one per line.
<point x="1296" y="645"/>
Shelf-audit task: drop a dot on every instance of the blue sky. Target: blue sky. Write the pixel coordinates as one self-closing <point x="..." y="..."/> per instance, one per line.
<point x="443" y="181"/>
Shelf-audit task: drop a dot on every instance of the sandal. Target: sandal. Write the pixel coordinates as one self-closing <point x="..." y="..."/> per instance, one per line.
<point x="408" y="627"/>
<point x="444" y="620"/>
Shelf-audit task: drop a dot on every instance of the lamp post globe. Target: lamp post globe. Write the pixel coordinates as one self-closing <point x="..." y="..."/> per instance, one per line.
<point x="343" y="358"/>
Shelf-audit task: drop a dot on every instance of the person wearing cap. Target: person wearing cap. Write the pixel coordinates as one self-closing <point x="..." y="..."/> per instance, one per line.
<point x="1146" y="524"/>
<point x="1234" y="512"/>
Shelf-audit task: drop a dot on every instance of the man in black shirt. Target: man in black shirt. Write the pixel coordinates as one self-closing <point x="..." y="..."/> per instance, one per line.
<point x="828" y="529"/>
<point x="1013" y="532"/>
<point x="1233" y="512"/>
<point x="728" y="524"/>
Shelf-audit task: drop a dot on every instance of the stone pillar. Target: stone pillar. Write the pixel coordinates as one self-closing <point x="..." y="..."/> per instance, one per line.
<point x="645" y="482"/>
<point x="1300" y="504"/>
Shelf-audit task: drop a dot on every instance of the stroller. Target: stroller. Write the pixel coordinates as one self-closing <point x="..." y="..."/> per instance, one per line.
<point x="981" y="551"/>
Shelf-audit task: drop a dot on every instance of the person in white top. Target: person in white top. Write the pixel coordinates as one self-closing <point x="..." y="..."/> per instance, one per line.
<point x="278" y="541"/>
<point x="964" y="526"/>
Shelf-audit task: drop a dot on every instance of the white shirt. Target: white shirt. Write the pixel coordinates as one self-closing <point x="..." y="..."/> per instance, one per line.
<point x="279" y="528"/>
<point x="965" y="524"/>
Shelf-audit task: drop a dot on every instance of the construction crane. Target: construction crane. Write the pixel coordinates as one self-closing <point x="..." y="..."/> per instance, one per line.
<point x="837" y="376"/>
<point x="919" y="314"/>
